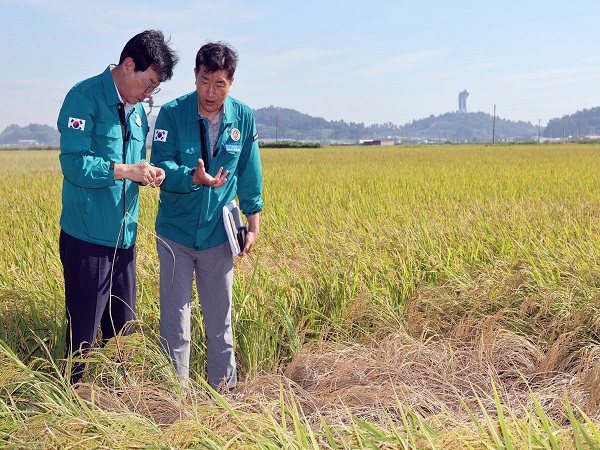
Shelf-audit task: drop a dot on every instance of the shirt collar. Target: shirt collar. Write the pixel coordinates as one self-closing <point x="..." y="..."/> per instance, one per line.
<point x="228" y="111"/>
<point x="110" y="89"/>
<point x="218" y="118"/>
<point x="112" y="95"/>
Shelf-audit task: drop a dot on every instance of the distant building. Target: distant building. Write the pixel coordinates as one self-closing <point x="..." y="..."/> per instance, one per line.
<point x="27" y="142"/>
<point x="462" y="101"/>
<point x="377" y="141"/>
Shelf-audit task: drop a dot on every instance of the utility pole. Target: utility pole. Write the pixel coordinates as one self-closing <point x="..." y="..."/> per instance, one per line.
<point x="494" y="127"/>
<point x="539" y="132"/>
<point x="276" y="123"/>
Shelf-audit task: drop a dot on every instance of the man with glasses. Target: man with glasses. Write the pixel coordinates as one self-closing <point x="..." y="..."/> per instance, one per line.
<point x="103" y="130"/>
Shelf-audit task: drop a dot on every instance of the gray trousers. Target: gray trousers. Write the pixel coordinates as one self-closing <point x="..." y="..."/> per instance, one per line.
<point x="213" y="268"/>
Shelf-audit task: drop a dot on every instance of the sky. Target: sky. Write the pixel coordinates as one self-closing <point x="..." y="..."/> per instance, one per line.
<point x="378" y="61"/>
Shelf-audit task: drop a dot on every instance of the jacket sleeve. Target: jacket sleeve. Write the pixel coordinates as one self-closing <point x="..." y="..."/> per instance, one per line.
<point x="81" y="164"/>
<point x="249" y="183"/>
<point x="178" y="177"/>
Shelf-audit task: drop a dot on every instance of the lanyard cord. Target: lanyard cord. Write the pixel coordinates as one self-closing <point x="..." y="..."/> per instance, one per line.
<point x="203" y="144"/>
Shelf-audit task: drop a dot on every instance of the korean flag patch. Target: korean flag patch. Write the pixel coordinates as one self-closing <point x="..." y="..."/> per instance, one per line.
<point x="76" y="124"/>
<point x="160" y="135"/>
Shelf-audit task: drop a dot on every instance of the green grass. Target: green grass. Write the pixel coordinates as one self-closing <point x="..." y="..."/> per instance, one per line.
<point x="356" y="243"/>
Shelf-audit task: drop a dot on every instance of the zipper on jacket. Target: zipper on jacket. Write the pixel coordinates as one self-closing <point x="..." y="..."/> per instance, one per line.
<point x="125" y="136"/>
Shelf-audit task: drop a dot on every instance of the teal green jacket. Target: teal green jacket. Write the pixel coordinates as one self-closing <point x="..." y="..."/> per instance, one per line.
<point x="190" y="214"/>
<point x="97" y="208"/>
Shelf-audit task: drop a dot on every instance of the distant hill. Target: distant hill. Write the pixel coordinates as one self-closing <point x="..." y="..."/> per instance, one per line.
<point x="282" y="123"/>
<point x="32" y="134"/>
<point x="578" y="125"/>
<point x="469" y="127"/>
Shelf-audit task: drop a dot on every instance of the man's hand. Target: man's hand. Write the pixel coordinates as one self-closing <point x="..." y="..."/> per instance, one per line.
<point x="250" y="240"/>
<point x="201" y="177"/>
<point x="252" y="234"/>
<point x="141" y="172"/>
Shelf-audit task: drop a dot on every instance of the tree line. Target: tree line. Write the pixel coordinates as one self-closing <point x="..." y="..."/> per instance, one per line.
<point x="284" y="124"/>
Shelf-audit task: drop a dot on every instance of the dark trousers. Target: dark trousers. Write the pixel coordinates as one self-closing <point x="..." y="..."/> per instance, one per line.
<point x="100" y="289"/>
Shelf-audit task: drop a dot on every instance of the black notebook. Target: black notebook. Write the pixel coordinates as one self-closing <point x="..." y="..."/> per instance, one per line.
<point x="235" y="228"/>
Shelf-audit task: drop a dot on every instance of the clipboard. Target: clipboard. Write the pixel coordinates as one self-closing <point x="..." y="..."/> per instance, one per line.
<point x="234" y="227"/>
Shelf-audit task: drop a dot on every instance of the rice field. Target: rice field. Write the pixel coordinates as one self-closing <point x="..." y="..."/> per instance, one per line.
<point x="412" y="297"/>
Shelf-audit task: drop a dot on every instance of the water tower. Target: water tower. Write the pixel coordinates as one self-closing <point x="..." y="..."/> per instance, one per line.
<point x="462" y="101"/>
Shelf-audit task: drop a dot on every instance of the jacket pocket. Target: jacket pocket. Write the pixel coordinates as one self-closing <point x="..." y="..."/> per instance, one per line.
<point x="229" y="156"/>
<point x="137" y="134"/>
<point x="108" y="136"/>
<point x="188" y="153"/>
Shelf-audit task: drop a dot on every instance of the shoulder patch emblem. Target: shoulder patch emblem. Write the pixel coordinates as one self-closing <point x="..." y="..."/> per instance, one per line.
<point x="160" y="135"/>
<point x="76" y="124"/>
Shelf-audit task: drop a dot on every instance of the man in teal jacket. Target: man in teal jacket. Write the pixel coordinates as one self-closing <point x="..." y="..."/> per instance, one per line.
<point x="191" y="234"/>
<point x="103" y="131"/>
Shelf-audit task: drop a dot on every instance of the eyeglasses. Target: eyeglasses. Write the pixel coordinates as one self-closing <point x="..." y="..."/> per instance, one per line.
<point x="150" y="90"/>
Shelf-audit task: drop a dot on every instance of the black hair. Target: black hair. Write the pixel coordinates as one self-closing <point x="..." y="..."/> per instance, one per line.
<point x="216" y="56"/>
<point x="149" y="48"/>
